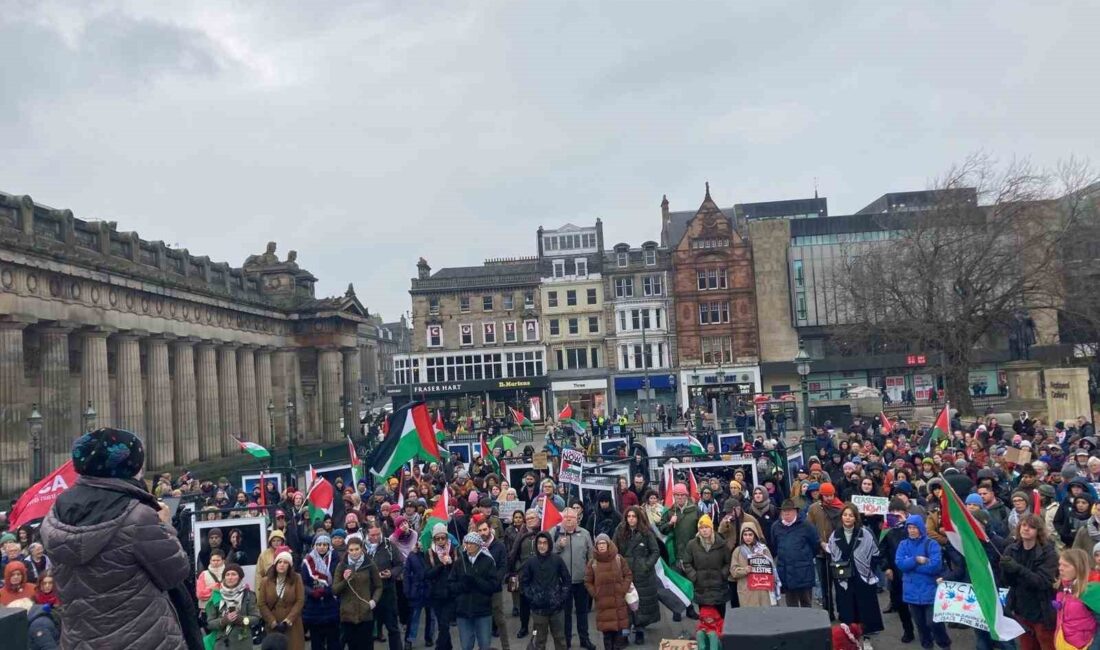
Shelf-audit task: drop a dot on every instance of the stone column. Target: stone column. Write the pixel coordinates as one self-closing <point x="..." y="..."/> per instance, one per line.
<point x="228" y="398"/>
<point x="159" y="440"/>
<point x="95" y="387"/>
<point x="353" y="388"/>
<point x="280" y="393"/>
<point x="264" y="396"/>
<point x="246" y="385"/>
<point x="328" y="381"/>
<point x="131" y="400"/>
<point x="15" y="466"/>
<point x="55" y="400"/>
<point x="206" y="389"/>
<point x="185" y="419"/>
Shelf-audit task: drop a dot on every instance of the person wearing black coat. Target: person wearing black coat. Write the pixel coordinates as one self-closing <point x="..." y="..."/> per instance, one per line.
<point x="387" y="558"/>
<point x="603" y="520"/>
<point x="1029" y="567"/>
<point x="546" y="584"/>
<point x="441" y="558"/>
<point x="474" y="580"/>
<point x="795" y="545"/>
<point x="888" y="549"/>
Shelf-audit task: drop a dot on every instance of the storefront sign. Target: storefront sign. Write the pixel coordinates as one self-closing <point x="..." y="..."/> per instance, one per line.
<point x="957" y="603"/>
<point x="871" y="505"/>
<point x="572" y="466"/>
<point x="579" y="384"/>
<point x="916" y="360"/>
<point x="473" y="386"/>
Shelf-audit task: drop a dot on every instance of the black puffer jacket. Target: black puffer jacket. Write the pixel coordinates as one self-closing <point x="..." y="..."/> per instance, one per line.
<point x="544" y="580"/>
<point x="641" y="551"/>
<point x="439" y="575"/>
<point x="473" y="584"/>
<point x="1029" y="576"/>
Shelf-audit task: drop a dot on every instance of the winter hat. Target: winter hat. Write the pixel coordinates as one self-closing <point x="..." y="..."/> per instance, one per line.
<point x="828" y="490"/>
<point x="679" y="488"/>
<point x="473" y="497"/>
<point x="904" y="487"/>
<point x="235" y="568"/>
<point x="705" y="521"/>
<point x="322" y="539"/>
<point x="398" y="520"/>
<point x="471" y="538"/>
<point x="1046" y="490"/>
<point x="1096" y="548"/>
<point x="982" y="516"/>
<point x="974" y="500"/>
<point x="350" y="518"/>
<point x="602" y="537"/>
<point x="339" y="532"/>
<point x="1019" y="494"/>
<point x="1068" y="472"/>
<point x="7" y="537"/>
<point x="439" y="529"/>
<point x="276" y="533"/>
<point x="284" y="555"/>
<point x="736" y="484"/>
<point x="108" y="453"/>
<point x="814" y="486"/>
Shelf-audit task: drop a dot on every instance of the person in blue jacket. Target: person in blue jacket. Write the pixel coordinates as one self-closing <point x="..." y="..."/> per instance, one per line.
<point x="794" y="544"/>
<point x="920" y="560"/>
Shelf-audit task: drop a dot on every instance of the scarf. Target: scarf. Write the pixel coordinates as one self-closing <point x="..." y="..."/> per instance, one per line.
<point x="1094" y="529"/>
<point x="355" y="564"/>
<point x="47" y="599"/>
<point x="318" y="566"/>
<point x="404" y="546"/>
<point x="370" y="549"/>
<point x="280" y="585"/>
<point x="232" y="597"/>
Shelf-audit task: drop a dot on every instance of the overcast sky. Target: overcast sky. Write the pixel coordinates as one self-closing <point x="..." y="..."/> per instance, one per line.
<point x="366" y="135"/>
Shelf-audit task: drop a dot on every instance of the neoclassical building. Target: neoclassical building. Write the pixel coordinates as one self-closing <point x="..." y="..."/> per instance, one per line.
<point x="182" y="350"/>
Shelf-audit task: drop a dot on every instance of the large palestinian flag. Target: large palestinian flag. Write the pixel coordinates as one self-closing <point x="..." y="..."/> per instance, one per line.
<point x="411" y="436"/>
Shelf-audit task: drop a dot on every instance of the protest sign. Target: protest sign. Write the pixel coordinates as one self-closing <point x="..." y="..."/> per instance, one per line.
<point x="761" y="576"/>
<point x="36" y="502"/>
<point x="572" y="466"/>
<point x="506" y="508"/>
<point x="871" y="505"/>
<point x="540" y="460"/>
<point x="677" y="644"/>
<point x="1018" y="456"/>
<point x="957" y="603"/>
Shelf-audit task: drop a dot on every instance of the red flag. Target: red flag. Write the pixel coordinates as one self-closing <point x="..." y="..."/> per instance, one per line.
<point x="670" y="481"/>
<point x="887" y="425"/>
<point x="439" y="420"/>
<point x="566" y="413"/>
<point x="385" y="426"/>
<point x="36" y="502"/>
<point x="693" y="487"/>
<point x="1036" y="503"/>
<point x="550" y="515"/>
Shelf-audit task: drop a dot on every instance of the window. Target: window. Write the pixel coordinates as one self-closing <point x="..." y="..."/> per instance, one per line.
<point x="801" y="305"/>
<point x="650" y="257"/>
<point x="624" y="287"/>
<point x="622" y="321"/>
<point x="574" y="326"/>
<point x="652" y="285"/>
<point x="635" y="319"/>
<point x="576" y="358"/>
<point x="636" y="355"/>
<point x="593" y="324"/>
<point x="711" y="279"/>
<point x="487" y="303"/>
<point x="621" y="260"/>
<point x="528" y="299"/>
<point x="551" y="298"/>
<point x="571" y="298"/>
<point x="489" y="333"/>
<point x="464" y="304"/>
<point x="710" y="243"/>
<point x="435" y="336"/>
<point x="555" y="327"/>
<point x="531" y="332"/>
<point x="657" y="315"/>
<point x="509" y="301"/>
<point x="466" y="334"/>
<point x="559" y="268"/>
<point x="714" y="312"/>
<point x="523" y="364"/>
<point x="591" y="296"/>
<point x="799" y="276"/>
<point x="433" y="306"/>
<point x="716" y="349"/>
<point x="550" y="243"/>
<point x="589" y="239"/>
<point x="510" y="331"/>
<point x="582" y="267"/>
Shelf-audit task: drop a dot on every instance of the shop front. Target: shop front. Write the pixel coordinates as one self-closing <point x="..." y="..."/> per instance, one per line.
<point x="724" y="389"/>
<point x="472" y="402"/>
<point x="631" y="393"/>
<point x="588" y="397"/>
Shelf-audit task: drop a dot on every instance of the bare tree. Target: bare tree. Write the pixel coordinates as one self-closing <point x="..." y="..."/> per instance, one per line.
<point x="953" y="277"/>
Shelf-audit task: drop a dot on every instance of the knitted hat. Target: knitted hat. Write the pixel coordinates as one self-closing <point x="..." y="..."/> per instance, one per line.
<point x="736" y="484"/>
<point x="398" y="520"/>
<point x="236" y="568"/>
<point x="1046" y="490"/>
<point x="705" y="522"/>
<point x="679" y="488"/>
<point x="108" y="453"/>
<point x="351" y="516"/>
<point x="814" y="486"/>
<point x="904" y="487"/>
<point x="471" y="538"/>
<point x="439" y="529"/>
<point x="1019" y="494"/>
<point x="828" y="490"/>
<point x="339" y="532"/>
<point x="603" y="537"/>
<point x="1096" y="548"/>
<point x="322" y="539"/>
<point x="276" y="533"/>
<point x="973" y="500"/>
<point x="284" y="555"/>
<point x="7" y="537"/>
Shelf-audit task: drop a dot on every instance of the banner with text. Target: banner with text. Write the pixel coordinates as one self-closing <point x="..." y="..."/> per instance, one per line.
<point x="957" y="603"/>
<point x="871" y="505"/>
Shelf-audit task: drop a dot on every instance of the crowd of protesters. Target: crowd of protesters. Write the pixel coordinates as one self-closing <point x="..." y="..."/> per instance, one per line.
<point x="107" y="562"/>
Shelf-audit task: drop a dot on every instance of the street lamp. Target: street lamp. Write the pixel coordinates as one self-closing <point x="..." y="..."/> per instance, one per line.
<point x="34" y="424"/>
<point x="89" y="417"/>
<point x="271" y="420"/>
<point x="292" y="439"/>
<point x="802" y="367"/>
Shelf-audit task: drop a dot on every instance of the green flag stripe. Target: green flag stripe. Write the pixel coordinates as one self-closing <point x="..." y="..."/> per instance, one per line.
<point x="977" y="563"/>
<point x="407" y="448"/>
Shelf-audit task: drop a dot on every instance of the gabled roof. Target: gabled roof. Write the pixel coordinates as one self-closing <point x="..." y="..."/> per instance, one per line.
<point x="678" y="221"/>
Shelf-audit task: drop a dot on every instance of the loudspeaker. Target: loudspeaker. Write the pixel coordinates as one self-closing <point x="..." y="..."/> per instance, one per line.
<point x="775" y="628"/>
<point x="13" y="627"/>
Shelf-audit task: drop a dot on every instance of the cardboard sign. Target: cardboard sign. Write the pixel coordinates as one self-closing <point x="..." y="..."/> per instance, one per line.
<point x="871" y="505"/>
<point x="761" y="577"/>
<point x="677" y="644"/>
<point x="505" y="510"/>
<point x="956" y="603"/>
<point x="572" y="466"/>
<point x="540" y="460"/>
<point x="1018" y="456"/>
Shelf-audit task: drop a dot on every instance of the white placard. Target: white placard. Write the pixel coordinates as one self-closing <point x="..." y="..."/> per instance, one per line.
<point x="956" y="602"/>
<point x="871" y="505"/>
<point x="572" y="466"/>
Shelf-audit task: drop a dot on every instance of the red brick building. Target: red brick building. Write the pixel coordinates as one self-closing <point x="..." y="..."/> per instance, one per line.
<point x="715" y="305"/>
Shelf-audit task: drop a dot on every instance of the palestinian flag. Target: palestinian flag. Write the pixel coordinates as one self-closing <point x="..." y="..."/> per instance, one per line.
<point x="566" y="413"/>
<point x="550" y="515"/>
<point x="487" y="457"/>
<point x="256" y="450"/>
<point x="674" y="590"/>
<point x="887" y="425"/>
<point x="356" y="464"/>
<point x="941" y="430"/>
<point x="669" y="482"/>
<point x="967" y="536"/>
<point x="440" y="514"/>
<point x="697" y="447"/>
<point x="210" y="641"/>
<point x="319" y="500"/>
<point x="520" y="419"/>
<point x="411" y="436"/>
<point x="693" y="487"/>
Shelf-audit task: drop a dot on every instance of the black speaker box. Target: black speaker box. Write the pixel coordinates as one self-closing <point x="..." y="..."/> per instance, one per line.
<point x="776" y="628"/>
<point x="13" y="627"/>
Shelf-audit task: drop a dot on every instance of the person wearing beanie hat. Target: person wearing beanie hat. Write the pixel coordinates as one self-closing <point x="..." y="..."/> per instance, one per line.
<point x="607" y="579"/>
<point x="475" y="579"/>
<point x="706" y="564"/>
<point x="321" y="614"/>
<point x="824" y="514"/>
<point x="682" y="521"/>
<point x="115" y="551"/>
<point x="339" y="539"/>
<point x="275" y="539"/>
<point x="232" y="616"/>
<point x="281" y="597"/>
